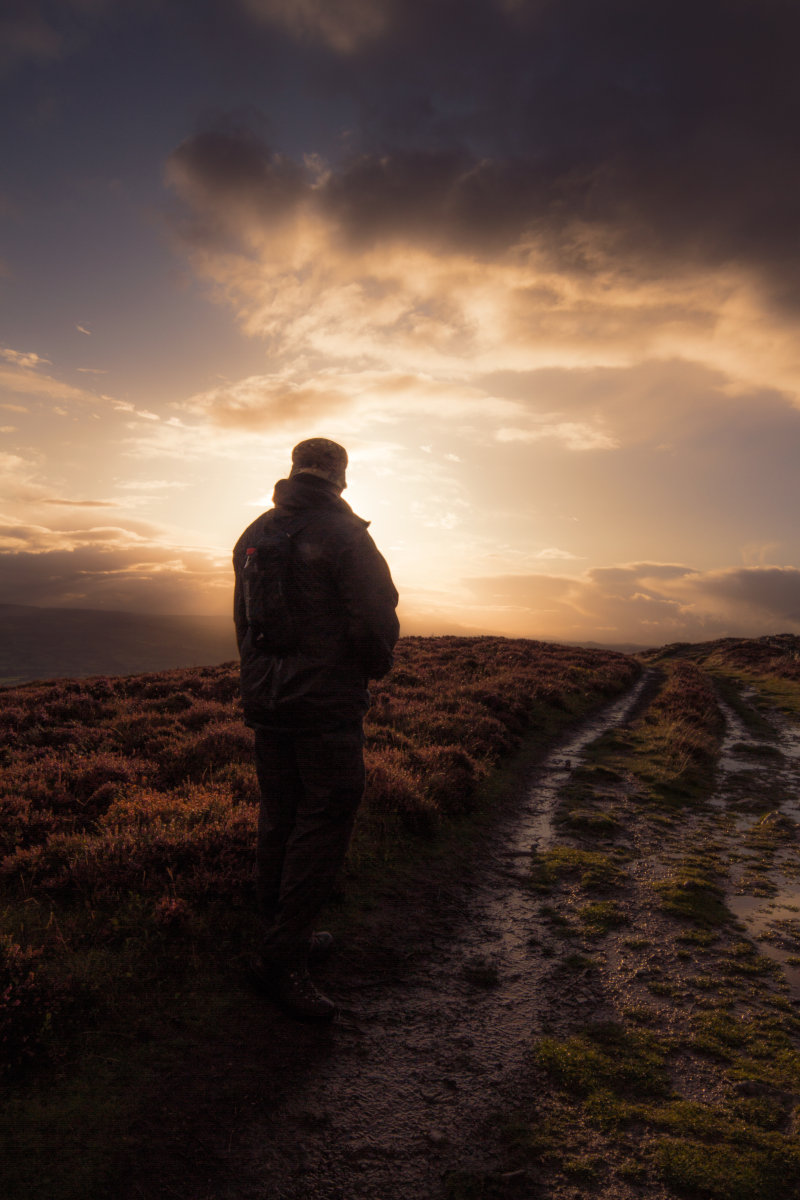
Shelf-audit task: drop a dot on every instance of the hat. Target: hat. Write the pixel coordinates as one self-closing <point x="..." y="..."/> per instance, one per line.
<point x="318" y="456"/>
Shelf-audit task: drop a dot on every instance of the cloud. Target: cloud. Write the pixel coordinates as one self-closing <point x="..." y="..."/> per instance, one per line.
<point x="267" y="402"/>
<point x="644" y="603"/>
<point x="23" y="358"/>
<point x="573" y="435"/>
<point x="357" y="399"/>
<point x="23" y="378"/>
<point x="149" y="485"/>
<point x="114" y="567"/>
<point x="550" y="553"/>
<point x="763" y="593"/>
<point x="603" y="133"/>
<point x="59" y="501"/>
<point x="404" y="258"/>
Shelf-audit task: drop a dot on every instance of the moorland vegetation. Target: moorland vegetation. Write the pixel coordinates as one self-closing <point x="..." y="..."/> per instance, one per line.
<point x="668" y="1058"/>
<point x="687" y="1082"/>
<point x="128" y="811"/>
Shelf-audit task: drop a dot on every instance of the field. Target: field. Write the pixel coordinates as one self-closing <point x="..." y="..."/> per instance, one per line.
<point x="128" y="821"/>
<point x="611" y="1012"/>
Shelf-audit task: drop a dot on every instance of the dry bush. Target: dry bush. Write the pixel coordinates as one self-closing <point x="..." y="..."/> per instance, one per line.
<point x="33" y="1005"/>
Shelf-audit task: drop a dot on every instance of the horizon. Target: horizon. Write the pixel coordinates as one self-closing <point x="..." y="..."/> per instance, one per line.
<point x="421" y="632"/>
<point x="543" y="287"/>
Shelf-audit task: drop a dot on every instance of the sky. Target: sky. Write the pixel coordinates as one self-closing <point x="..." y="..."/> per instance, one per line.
<point x="535" y="263"/>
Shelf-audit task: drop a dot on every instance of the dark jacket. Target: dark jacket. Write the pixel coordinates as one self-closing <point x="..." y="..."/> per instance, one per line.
<point x="345" y="602"/>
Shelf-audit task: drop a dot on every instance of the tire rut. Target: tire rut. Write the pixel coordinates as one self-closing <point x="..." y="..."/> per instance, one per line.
<point x="402" y="1086"/>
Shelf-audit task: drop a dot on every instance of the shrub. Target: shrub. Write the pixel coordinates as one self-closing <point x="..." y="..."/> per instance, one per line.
<point x="32" y="1005"/>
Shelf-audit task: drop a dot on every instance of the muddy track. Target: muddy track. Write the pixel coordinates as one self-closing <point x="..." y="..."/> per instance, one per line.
<point x="442" y="994"/>
<point x="436" y="1015"/>
<point x="758" y="796"/>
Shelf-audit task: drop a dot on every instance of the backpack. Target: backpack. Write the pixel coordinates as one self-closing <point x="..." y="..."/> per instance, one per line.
<point x="268" y="583"/>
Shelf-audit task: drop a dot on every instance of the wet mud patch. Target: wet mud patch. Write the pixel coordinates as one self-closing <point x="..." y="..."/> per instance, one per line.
<point x="570" y="1011"/>
<point x="673" y="973"/>
<point x="442" y="995"/>
<point x="762" y="808"/>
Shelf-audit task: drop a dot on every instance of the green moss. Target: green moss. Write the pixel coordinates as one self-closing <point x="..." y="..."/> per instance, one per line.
<point x="720" y="1172"/>
<point x="605" y="1059"/>
<point x="698" y="937"/>
<point x="717" y="1034"/>
<point x="600" y="916"/>
<point x="692" y="893"/>
<point x="599" y="822"/>
<point x="766" y="1112"/>
<point x="594" y="870"/>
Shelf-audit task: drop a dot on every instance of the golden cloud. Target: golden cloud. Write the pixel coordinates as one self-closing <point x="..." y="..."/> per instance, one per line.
<point x="114" y="567"/>
<point x="402" y="263"/>
<point x="641" y="603"/>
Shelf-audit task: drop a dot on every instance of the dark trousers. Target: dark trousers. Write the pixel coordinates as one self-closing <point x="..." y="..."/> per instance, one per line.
<point x="311" y="785"/>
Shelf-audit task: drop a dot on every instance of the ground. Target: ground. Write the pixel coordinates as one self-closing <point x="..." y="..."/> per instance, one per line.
<point x="586" y="1019"/>
<point x="586" y="987"/>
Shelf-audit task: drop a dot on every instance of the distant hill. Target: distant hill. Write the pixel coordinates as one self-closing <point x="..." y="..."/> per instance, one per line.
<point x="56" y="643"/>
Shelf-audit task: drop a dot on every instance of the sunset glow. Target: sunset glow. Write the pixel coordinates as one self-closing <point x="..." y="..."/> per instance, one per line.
<point x="535" y="264"/>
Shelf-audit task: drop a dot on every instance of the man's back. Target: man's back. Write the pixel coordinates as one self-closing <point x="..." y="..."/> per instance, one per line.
<point x="344" y="602"/>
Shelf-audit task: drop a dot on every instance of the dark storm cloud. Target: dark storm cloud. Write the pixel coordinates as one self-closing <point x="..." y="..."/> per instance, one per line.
<point x="234" y="165"/>
<point x="440" y="198"/>
<point x="664" y="131"/>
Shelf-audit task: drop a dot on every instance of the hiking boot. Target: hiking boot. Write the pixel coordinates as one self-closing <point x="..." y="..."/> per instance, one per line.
<point x="320" y="946"/>
<point x="293" y="990"/>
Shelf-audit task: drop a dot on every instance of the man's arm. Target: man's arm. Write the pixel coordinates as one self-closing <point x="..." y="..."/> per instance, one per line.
<point x="239" y="611"/>
<point x="370" y="599"/>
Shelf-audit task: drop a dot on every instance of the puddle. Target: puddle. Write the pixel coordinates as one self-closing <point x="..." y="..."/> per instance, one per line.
<point x="763" y="779"/>
<point x="535" y="823"/>
<point x="775" y="925"/>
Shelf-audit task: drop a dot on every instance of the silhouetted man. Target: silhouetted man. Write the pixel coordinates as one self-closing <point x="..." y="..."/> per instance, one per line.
<point x="305" y="694"/>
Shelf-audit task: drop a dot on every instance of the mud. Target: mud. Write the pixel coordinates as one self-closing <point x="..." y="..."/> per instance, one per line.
<point x="442" y="994"/>
<point x="397" y="1093"/>
<point x="758" y="788"/>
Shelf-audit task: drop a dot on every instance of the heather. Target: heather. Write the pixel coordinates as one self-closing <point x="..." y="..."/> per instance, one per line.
<point x="129" y="809"/>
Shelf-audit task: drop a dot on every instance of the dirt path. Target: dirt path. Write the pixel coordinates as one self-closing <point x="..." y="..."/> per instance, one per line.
<point x="421" y="1059"/>
<point x="758" y="796"/>
<point x="440" y="1003"/>
<point x="436" y="1015"/>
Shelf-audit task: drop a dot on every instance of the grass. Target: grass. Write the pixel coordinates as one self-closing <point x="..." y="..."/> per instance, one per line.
<point x="594" y="870"/>
<point x="692" y="891"/>
<point x="603" y="1062"/>
<point x="129" y="807"/>
<point x="699" y="1008"/>
<point x="763" y="1165"/>
<point x="127" y="837"/>
<point x="742" y="1148"/>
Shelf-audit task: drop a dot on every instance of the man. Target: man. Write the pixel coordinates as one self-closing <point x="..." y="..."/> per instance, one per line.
<point x="306" y="706"/>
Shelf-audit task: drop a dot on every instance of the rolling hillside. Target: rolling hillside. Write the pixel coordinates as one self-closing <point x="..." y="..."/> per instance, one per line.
<point x="57" y="643"/>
